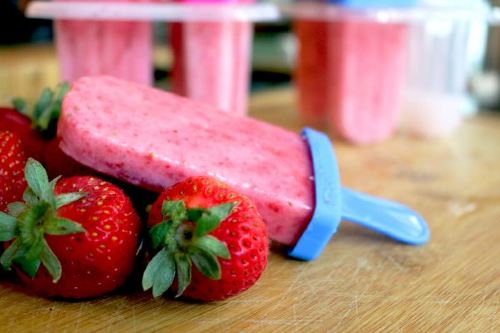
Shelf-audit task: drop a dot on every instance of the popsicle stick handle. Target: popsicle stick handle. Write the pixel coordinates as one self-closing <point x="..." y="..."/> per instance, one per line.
<point x="384" y="216"/>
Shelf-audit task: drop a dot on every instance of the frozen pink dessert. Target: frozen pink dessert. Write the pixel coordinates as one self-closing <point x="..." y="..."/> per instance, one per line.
<point x="352" y="72"/>
<point x="311" y="75"/>
<point x="119" y="48"/>
<point x="366" y="72"/>
<point x="212" y="61"/>
<point x="154" y="139"/>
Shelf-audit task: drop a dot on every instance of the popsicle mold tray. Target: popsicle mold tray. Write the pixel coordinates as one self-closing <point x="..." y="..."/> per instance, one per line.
<point x="383" y="11"/>
<point x="115" y="38"/>
<point x="342" y="41"/>
<point x="393" y="11"/>
<point x="194" y="11"/>
<point x="354" y="57"/>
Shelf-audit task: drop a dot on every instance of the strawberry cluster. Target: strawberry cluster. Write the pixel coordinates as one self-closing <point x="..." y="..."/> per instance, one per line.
<point x="79" y="235"/>
<point x="36" y="128"/>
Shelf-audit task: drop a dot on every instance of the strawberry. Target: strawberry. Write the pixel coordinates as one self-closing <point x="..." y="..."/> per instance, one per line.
<point x="74" y="237"/>
<point x="46" y="111"/>
<point x="12" y="161"/>
<point x="58" y="163"/>
<point x="203" y="222"/>
<point x="12" y="120"/>
<point x="37" y="129"/>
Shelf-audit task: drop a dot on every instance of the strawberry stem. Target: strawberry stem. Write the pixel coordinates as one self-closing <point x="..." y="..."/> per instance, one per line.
<point x="46" y="111"/>
<point x="28" y="222"/>
<point x="183" y="240"/>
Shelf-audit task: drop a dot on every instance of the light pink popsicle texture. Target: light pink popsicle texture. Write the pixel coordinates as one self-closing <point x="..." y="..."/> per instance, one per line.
<point x="362" y="68"/>
<point x="212" y="62"/>
<point x="368" y="61"/>
<point x="117" y="48"/>
<point x="154" y="139"/>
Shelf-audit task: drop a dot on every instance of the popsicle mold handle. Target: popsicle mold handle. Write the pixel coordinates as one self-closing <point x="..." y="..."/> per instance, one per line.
<point x="361" y="4"/>
<point x="384" y="216"/>
<point x="326" y="215"/>
<point x="207" y="1"/>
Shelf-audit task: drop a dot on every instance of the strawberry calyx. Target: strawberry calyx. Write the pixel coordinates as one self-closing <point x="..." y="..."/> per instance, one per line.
<point x="28" y="221"/>
<point x="46" y="111"/>
<point x="182" y="239"/>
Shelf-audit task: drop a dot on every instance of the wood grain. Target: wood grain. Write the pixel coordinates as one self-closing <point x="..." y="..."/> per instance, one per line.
<point x="363" y="282"/>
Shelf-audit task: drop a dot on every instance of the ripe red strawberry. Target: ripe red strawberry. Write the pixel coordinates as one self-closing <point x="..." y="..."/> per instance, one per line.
<point x="196" y="221"/>
<point x="58" y="163"/>
<point x="73" y="238"/>
<point x="37" y="127"/>
<point x="21" y="125"/>
<point x="12" y="161"/>
<point x="46" y="111"/>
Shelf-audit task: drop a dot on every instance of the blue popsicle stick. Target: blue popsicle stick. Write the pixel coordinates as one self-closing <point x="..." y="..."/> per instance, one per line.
<point x="334" y="203"/>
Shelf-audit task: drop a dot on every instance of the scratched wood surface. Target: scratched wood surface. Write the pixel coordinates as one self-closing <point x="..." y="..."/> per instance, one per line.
<point x="363" y="282"/>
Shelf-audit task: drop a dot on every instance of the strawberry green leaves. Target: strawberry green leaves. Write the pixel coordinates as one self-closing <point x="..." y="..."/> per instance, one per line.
<point x="212" y="245"/>
<point x="50" y="261"/>
<point x="158" y="233"/>
<point x="47" y="109"/>
<point x="184" y="241"/>
<point x="211" y="218"/>
<point x="61" y="226"/>
<point x="16" y="208"/>
<point x="207" y="264"/>
<point x="160" y="273"/>
<point x="29" y="221"/>
<point x="7" y="227"/>
<point x="38" y="181"/>
<point x="67" y="198"/>
<point x="175" y="210"/>
<point x="183" y="265"/>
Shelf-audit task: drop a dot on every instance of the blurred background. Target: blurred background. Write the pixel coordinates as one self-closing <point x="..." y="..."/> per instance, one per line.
<point x="28" y="59"/>
<point x="446" y="58"/>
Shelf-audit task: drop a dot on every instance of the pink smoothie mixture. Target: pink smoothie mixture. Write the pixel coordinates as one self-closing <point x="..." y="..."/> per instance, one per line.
<point x="212" y="62"/>
<point x="366" y="69"/>
<point x="119" y="48"/>
<point x="154" y="139"/>
<point x="351" y="73"/>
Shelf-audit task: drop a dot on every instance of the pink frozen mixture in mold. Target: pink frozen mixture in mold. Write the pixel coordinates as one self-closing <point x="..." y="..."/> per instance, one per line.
<point x="119" y="48"/>
<point x="154" y="139"/>
<point x="351" y="73"/>
<point x="367" y="62"/>
<point x="212" y="62"/>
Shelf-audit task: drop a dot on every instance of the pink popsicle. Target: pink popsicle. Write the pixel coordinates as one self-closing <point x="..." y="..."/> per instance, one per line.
<point x="212" y="61"/>
<point x="351" y="72"/>
<point x="117" y="48"/>
<point x="154" y="139"/>
<point x="311" y="75"/>
<point x="366" y="72"/>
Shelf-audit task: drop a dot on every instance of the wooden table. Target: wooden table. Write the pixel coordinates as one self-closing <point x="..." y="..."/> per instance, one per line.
<point x="26" y="69"/>
<point x="363" y="282"/>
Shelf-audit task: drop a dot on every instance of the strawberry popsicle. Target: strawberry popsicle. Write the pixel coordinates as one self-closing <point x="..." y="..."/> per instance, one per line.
<point x="190" y="139"/>
<point x="350" y="71"/>
<point x="154" y="139"/>
<point x="366" y="75"/>
<point x="119" y="48"/>
<point x="212" y="61"/>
